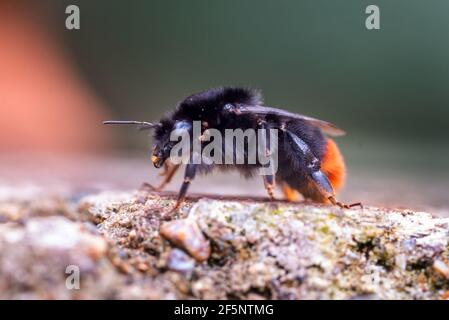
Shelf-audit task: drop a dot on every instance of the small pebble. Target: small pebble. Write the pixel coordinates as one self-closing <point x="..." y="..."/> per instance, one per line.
<point x="401" y="261"/>
<point x="180" y="261"/>
<point x="187" y="235"/>
<point x="142" y="266"/>
<point x="132" y="234"/>
<point x="441" y="268"/>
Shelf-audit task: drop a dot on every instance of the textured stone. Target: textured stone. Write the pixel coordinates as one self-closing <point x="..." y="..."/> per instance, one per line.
<point x="244" y="249"/>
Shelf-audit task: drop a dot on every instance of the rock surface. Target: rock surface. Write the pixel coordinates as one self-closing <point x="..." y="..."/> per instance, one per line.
<point x="130" y="245"/>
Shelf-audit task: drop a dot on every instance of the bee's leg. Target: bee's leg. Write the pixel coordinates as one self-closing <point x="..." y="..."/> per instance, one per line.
<point x="343" y="205"/>
<point x="269" y="180"/>
<point x="168" y="174"/>
<point x="325" y="187"/>
<point x="313" y="167"/>
<point x="188" y="177"/>
<point x="167" y="166"/>
<point x="269" y="184"/>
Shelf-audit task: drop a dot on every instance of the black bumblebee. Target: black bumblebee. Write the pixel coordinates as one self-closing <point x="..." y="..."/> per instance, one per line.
<point x="309" y="162"/>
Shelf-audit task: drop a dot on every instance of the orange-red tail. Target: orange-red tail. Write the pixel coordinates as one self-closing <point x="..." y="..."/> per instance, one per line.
<point x="333" y="165"/>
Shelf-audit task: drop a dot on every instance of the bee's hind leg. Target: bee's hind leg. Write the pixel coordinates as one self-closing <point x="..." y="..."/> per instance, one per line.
<point x="326" y="189"/>
<point x="316" y="175"/>
<point x="344" y="205"/>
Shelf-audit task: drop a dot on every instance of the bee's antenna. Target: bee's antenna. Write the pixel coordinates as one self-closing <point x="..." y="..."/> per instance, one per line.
<point x="143" y="125"/>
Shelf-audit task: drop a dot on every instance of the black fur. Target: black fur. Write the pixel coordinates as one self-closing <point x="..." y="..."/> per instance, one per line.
<point x="208" y="106"/>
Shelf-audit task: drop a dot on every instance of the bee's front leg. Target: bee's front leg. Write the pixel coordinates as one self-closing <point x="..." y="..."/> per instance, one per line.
<point x="168" y="173"/>
<point x="167" y="166"/>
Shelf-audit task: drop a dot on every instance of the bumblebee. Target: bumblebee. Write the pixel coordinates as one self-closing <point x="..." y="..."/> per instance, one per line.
<point x="309" y="161"/>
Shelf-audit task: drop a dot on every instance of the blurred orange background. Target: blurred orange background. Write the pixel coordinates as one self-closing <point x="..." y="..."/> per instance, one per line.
<point x="44" y="104"/>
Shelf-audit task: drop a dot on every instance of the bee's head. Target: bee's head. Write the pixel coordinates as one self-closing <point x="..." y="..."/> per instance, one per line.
<point x="163" y="144"/>
<point x="161" y="152"/>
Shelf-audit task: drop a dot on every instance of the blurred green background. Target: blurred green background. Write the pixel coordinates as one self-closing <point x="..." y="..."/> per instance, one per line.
<point x="388" y="88"/>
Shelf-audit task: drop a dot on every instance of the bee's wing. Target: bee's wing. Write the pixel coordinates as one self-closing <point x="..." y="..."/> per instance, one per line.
<point x="325" y="126"/>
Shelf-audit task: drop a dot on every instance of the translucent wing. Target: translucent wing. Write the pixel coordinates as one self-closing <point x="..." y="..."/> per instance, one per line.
<point x="325" y="126"/>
